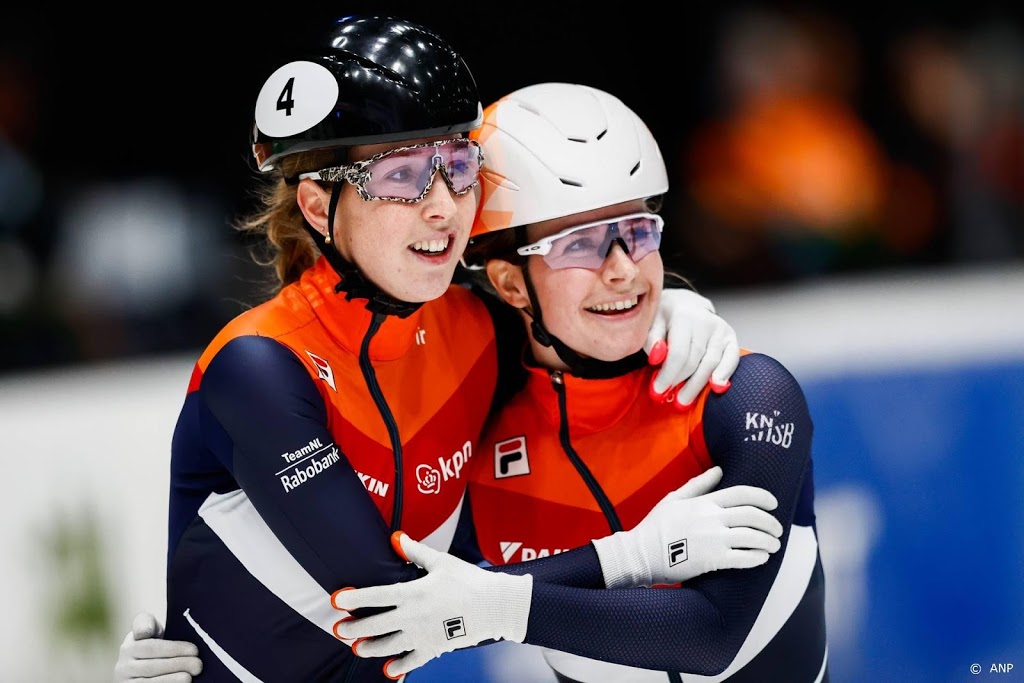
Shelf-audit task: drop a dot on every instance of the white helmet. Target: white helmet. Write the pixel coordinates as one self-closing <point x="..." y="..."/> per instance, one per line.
<point x="555" y="149"/>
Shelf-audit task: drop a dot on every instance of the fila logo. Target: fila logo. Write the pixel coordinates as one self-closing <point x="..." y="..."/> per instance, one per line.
<point x="676" y="552"/>
<point x="510" y="458"/>
<point x="453" y="628"/>
<point x="323" y="369"/>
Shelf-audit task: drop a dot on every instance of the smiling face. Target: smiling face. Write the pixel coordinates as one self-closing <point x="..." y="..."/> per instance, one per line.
<point x="409" y="250"/>
<point x="604" y="313"/>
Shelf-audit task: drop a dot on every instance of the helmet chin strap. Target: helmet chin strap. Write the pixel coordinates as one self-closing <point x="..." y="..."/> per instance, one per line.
<point x="580" y="366"/>
<point x="353" y="282"/>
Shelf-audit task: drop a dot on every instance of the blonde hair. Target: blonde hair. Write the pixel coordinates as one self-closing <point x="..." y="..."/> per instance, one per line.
<point x="284" y="242"/>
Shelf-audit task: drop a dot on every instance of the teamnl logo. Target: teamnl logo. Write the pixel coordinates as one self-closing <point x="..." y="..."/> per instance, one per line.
<point x="430" y="478"/>
<point x="761" y="427"/>
<point x="306" y="462"/>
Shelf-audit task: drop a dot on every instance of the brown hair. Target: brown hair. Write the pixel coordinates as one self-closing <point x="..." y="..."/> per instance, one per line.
<point x="285" y="242"/>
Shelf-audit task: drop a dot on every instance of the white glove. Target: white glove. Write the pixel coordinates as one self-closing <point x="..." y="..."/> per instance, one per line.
<point x="456" y="605"/>
<point x="690" y="532"/>
<point x="146" y="656"/>
<point x="701" y="347"/>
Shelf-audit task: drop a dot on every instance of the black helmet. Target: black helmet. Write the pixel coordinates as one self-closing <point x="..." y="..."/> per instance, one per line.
<point x="368" y="80"/>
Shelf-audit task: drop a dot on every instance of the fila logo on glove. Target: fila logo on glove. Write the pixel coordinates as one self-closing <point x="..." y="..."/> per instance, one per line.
<point x="453" y="628"/>
<point x="676" y="552"/>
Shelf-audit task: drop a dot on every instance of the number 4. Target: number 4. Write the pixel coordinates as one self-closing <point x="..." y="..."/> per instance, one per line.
<point x="285" y="99"/>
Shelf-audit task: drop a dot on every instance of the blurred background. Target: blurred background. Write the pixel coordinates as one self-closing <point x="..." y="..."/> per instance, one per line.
<point x="847" y="186"/>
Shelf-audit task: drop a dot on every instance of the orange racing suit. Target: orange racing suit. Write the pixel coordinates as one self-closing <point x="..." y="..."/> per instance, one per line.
<point x="296" y="420"/>
<point x="569" y="460"/>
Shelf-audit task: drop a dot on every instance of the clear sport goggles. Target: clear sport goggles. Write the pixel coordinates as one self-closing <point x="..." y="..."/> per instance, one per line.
<point x="405" y="174"/>
<point x="587" y="246"/>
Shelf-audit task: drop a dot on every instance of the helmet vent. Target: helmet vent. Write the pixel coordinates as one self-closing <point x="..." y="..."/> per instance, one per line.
<point x="584" y="140"/>
<point x="571" y="183"/>
<point x="635" y="169"/>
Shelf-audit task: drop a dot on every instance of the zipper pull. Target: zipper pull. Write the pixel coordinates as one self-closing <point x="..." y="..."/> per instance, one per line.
<point x="556" y="376"/>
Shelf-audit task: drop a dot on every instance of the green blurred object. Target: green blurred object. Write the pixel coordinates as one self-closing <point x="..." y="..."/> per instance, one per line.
<point x="81" y="601"/>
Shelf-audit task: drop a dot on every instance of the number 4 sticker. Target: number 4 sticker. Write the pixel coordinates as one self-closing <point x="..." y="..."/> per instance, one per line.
<point x="296" y="97"/>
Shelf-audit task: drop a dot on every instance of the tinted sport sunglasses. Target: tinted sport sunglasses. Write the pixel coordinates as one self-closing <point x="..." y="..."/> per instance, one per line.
<point x="406" y="174"/>
<point x="587" y="245"/>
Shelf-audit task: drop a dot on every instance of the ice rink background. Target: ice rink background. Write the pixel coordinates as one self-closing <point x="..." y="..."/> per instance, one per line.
<point x="916" y="387"/>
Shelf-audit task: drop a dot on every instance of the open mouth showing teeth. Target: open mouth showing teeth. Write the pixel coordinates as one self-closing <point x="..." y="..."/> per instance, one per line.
<point x="431" y="246"/>
<point x="615" y="307"/>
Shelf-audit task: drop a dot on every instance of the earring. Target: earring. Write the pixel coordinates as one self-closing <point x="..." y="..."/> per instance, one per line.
<point x="327" y="238"/>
